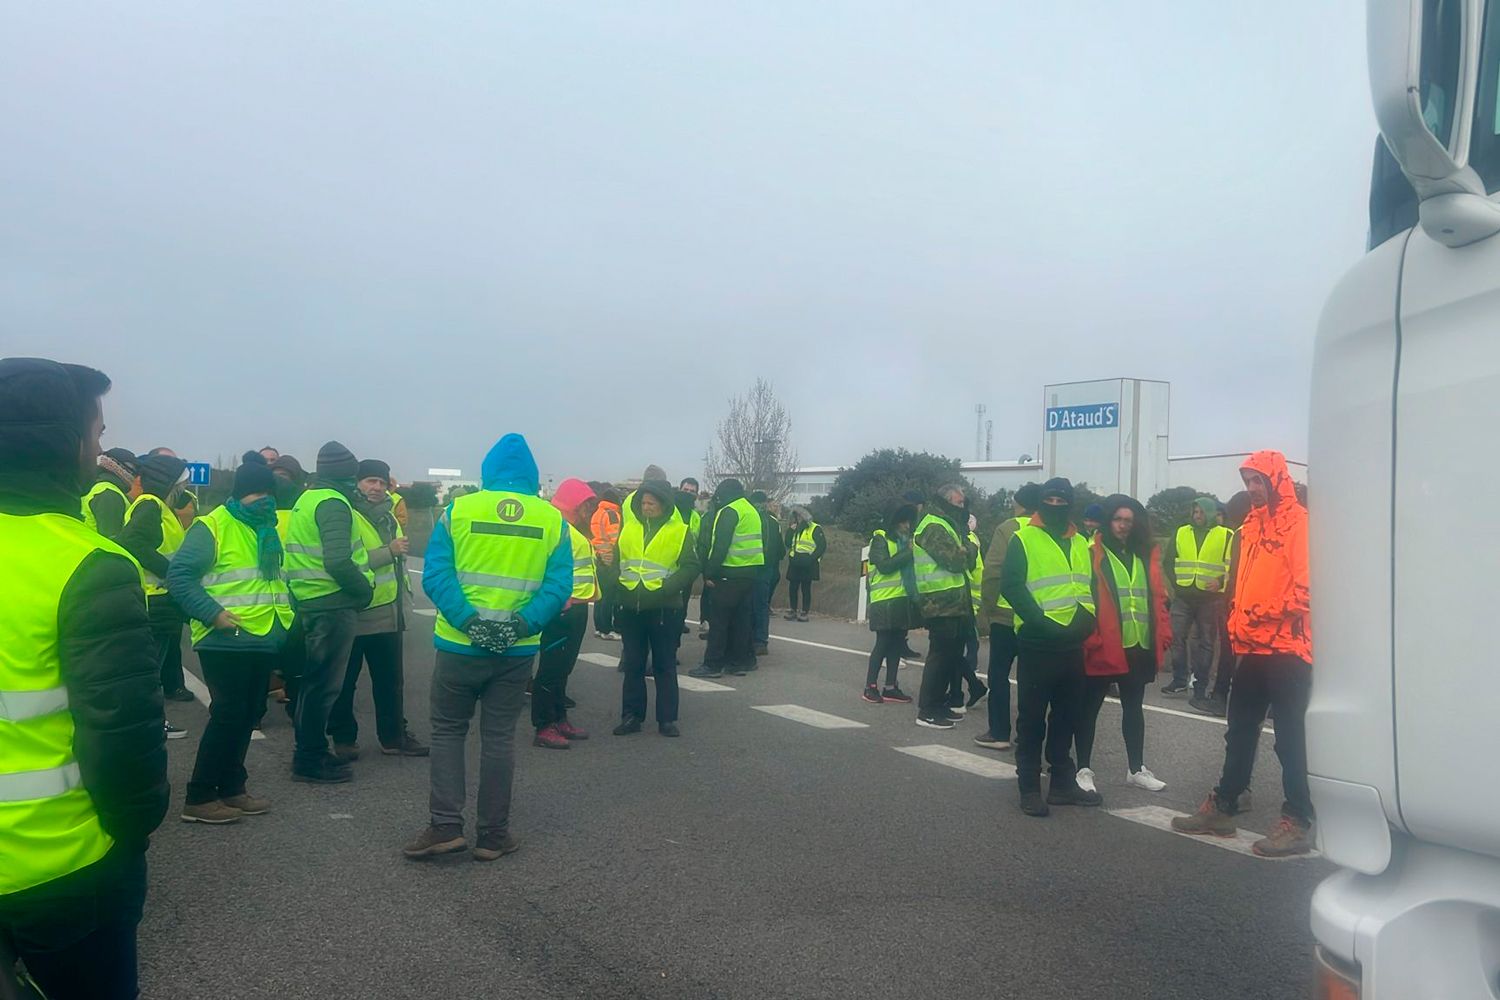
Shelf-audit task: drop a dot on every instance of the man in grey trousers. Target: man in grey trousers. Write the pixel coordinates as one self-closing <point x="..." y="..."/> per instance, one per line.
<point x="499" y="567"/>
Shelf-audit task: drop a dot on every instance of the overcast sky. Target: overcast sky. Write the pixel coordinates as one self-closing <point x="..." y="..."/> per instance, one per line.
<point x="416" y="227"/>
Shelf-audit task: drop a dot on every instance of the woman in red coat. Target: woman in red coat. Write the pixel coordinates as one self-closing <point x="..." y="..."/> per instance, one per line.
<point x="1133" y="634"/>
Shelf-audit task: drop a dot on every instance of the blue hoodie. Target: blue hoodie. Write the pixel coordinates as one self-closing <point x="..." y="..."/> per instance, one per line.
<point x="508" y="468"/>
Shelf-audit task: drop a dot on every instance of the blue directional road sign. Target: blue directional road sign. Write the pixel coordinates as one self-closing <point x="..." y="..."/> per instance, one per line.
<point x="199" y="473"/>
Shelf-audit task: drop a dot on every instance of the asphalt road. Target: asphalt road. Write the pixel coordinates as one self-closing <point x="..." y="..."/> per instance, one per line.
<point x="755" y="857"/>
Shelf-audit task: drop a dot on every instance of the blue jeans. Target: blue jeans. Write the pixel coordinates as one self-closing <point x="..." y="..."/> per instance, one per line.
<point x="760" y="608"/>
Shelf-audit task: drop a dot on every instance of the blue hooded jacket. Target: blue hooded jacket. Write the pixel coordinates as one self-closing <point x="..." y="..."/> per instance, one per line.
<point x="508" y="468"/>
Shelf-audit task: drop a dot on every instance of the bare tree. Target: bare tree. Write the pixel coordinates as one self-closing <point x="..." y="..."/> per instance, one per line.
<point x="754" y="444"/>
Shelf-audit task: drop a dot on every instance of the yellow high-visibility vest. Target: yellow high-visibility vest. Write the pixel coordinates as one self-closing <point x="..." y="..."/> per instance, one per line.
<point x="1058" y="583"/>
<point x="803" y="543"/>
<point x="104" y="486"/>
<point x="1195" y="567"/>
<point x="976" y="572"/>
<point x="648" y="562"/>
<point x="932" y="578"/>
<point x="387" y="579"/>
<point x="303" y="564"/>
<point x="235" y="580"/>
<point x="1133" y="588"/>
<point x="748" y="547"/>
<point x="585" y="581"/>
<point x="172" y="534"/>
<point x="884" y="586"/>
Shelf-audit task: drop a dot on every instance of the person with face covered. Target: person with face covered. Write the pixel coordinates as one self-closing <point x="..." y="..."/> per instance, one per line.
<point x="1048" y="580"/>
<point x="1270" y="629"/>
<point x="1131" y="637"/>
<point x="152" y="533"/>
<point x="1199" y="556"/>
<point x="379" y="627"/>
<point x="736" y="558"/>
<point x="328" y="568"/>
<point x="114" y="488"/>
<point x="227" y="578"/>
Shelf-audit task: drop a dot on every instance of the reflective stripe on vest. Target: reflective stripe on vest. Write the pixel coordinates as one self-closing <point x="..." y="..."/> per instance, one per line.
<point x="501" y="544"/>
<point x="748" y="547"/>
<point x="1058" y="583"/>
<point x="647" y="562"/>
<point x="172" y="534"/>
<point x="387" y="582"/>
<point x="932" y="578"/>
<point x="1001" y="602"/>
<point x="1195" y="567"/>
<point x="585" y="582"/>
<point x="48" y="824"/>
<point x="803" y="543"/>
<point x="1135" y="601"/>
<point x="234" y="580"/>
<point x="104" y="486"/>
<point x="884" y="586"/>
<point x="303" y="565"/>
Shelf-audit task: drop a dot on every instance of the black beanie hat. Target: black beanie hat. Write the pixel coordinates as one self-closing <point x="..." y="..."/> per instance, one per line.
<point x="253" y="477"/>
<point x="337" y="462"/>
<point x="1029" y="496"/>
<point x="374" y="467"/>
<point x="1058" y="488"/>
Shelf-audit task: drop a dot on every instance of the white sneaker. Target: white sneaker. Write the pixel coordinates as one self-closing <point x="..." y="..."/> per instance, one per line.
<point x="1145" y="779"/>
<point x="1085" y="778"/>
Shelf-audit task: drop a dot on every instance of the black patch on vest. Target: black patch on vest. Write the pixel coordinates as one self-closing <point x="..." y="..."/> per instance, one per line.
<point x="516" y="530"/>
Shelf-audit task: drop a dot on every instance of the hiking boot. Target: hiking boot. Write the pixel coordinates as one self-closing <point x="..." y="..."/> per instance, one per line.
<point x="325" y="772"/>
<point x="1288" y="839"/>
<point x="989" y="742"/>
<point x="548" y="738"/>
<point x="871" y="694"/>
<point x="1072" y="795"/>
<point x="705" y="671"/>
<point x="761" y="649"/>
<point x="173" y="733"/>
<point x="802" y="617"/>
<point x="1032" y="804"/>
<point x="1199" y="703"/>
<point x="935" y="722"/>
<point x="1209" y="820"/>
<point x="977" y="693"/>
<point x="181" y="694"/>
<point x="247" y="804"/>
<point x="409" y="746"/>
<point x="629" y="724"/>
<point x="571" y="732"/>
<point x="434" y="840"/>
<point x="215" y="813"/>
<point x="897" y="695"/>
<point x="668" y="729"/>
<point x="492" y="846"/>
<point x="346" y="752"/>
<point x="1174" y="689"/>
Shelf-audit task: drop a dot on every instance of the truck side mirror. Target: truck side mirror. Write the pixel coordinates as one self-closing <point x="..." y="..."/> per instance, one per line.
<point x="1424" y="71"/>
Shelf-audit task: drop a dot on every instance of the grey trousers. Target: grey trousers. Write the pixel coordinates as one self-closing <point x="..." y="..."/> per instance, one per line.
<point x="498" y="685"/>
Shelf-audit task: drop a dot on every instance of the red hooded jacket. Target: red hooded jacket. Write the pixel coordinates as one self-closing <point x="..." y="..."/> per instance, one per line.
<point x="1104" y="652"/>
<point x="1270" y="609"/>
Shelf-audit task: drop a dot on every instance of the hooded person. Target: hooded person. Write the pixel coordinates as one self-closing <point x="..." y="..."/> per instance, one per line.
<point x="735" y="559"/>
<point x="654" y="560"/>
<point x="996" y="613"/>
<point x="227" y="578"/>
<point x="328" y="566"/>
<point x="1093" y="518"/>
<point x="498" y="568"/>
<point x="1132" y="635"/>
<point x="1199" y="558"/>
<point x="1270" y="630"/>
<point x="379" y="626"/>
<point x="892" y="593"/>
<point x="76" y="636"/>
<point x="152" y="534"/>
<point x="604" y="532"/>
<point x="114" y="488"/>
<point x="1048" y="580"/>
<point x="291" y="480"/>
<point x="562" y="637"/>
<point x="805" y="545"/>
<point x="943" y="557"/>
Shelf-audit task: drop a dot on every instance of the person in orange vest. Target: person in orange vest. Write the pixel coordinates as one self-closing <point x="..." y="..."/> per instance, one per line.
<point x="604" y="532"/>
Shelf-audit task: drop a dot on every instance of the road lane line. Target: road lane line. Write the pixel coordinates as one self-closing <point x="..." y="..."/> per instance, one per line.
<point x="810" y="717"/>
<point x="985" y="767"/>
<point x="684" y="682"/>
<point x="1160" y="818"/>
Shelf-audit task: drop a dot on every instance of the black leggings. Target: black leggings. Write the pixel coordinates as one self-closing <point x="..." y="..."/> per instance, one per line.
<point x="889" y="644"/>
<point x="804" y="587"/>
<point x="1132" y="717"/>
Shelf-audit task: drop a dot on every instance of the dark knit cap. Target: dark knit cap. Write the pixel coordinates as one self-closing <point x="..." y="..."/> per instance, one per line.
<point x="374" y="467"/>
<point x="1029" y="496"/>
<point x="1093" y="512"/>
<point x="253" y="477"/>
<point x="337" y="462"/>
<point x="758" y="497"/>
<point x="1059" y="489"/>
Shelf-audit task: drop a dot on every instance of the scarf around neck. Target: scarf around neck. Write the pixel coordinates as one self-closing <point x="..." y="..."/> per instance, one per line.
<point x="261" y="517"/>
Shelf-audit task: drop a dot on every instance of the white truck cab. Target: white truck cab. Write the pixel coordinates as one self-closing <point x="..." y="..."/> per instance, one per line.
<point x="1404" y="723"/>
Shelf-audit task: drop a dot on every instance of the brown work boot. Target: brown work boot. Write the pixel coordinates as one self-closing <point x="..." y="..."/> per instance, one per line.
<point x="248" y="804"/>
<point x="492" y="846"/>
<point x="1209" y="819"/>
<point x="216" y="813"/>
<point x="1288" y="839"/>
<point x="433" y="841"/>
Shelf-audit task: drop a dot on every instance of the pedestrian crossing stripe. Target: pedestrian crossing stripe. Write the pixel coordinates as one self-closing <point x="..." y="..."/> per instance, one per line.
<point x="962" y="760"/>
<point x="684" y="682"/>
<point x="810" y="717"/>
<point x="1160" y="818"/>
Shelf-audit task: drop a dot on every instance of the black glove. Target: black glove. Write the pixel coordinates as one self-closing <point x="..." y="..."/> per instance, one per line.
<point x="496" y="637"/>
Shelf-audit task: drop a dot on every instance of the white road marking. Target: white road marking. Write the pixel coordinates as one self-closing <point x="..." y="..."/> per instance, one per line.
<point x="200" y="690"/>
<point x="1160" y="818"/>
<point x="985" y="767"/>
<point x="256" y="734"/>
<point x="425" y="612"/>
<point x="684" y="682"/>
<point x="340" y="815"/>
<point x="810" y="717"/>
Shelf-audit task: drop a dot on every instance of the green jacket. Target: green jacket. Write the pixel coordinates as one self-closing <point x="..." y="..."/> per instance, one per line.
<point x="952" y="555"/>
